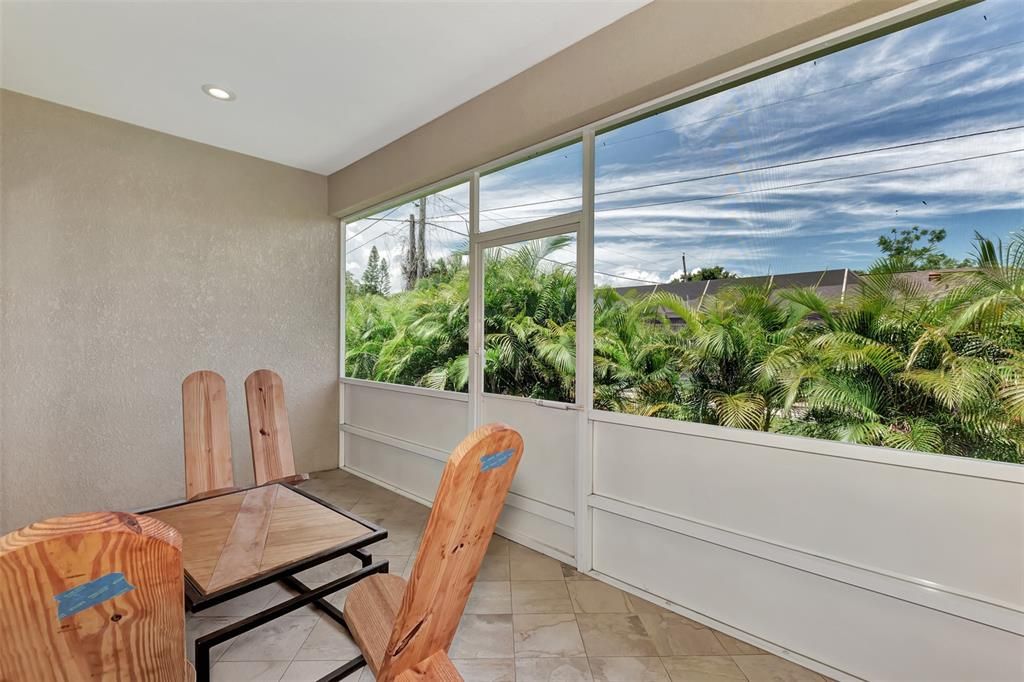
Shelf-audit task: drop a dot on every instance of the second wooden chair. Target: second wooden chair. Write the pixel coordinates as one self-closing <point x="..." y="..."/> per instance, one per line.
<point x="271" y="437"/>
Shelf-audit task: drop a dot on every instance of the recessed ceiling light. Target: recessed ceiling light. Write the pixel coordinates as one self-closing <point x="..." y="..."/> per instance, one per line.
<point x="218" y="93"/>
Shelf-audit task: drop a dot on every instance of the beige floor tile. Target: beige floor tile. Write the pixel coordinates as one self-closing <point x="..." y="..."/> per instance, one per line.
<point x="737" y="647"/>
<point x="769" y="668"/>
<point x="539" y="635"/>
<point x="615" y="634"/>
<point x="246" y="604"/>
<point x="486" y="669"/>
<point x="338" y="598"/>
<point x="286" y="593"/>
<point x="591" y="596"/>
<point x="553" y="670"/>
<point x="490" y="596"/>
<point x="396" y="543"/>
<point x="540" y="596"/>
<point x="628" y="669"/>
<point x="678" y="636"/>
<point x="570" y="573"/>
<point x="364" y="675"/>
<point x="703" y="669"/>
<point x="328" y="641"/>
<point x="638" y="605"/>
<point x="498" y="546"/>
<point x="311" y="671"/>
<point x="278" y="640"/>
<point x="248" y="671"/>
<point x="396" y="563"/>
<point x="330" y="570"/>
<point x="527" y="564"/>
<point x="494" y="567"/>
<point x="483" y="636"/>
<point x="196" y="627"/>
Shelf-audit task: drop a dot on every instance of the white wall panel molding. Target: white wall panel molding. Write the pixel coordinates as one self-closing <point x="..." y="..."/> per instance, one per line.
<point x="399" y="388"/>
<point x="728" y="629"/>
<point x="949" y="464"/>
<point x="962" y="534"/>
<point x="860" y="632"/>
<point x="521" y="502"/>
<point x="907" y="588"/>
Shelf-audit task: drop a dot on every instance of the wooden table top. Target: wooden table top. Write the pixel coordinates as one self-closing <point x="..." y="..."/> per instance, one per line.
<point x="230" y="539"/>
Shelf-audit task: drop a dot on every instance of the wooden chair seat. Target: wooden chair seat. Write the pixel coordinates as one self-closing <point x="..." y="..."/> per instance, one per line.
<point x="370" y="611"/>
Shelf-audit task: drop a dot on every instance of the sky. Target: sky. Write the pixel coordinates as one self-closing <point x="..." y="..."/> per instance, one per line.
<point x="929" y="121"/>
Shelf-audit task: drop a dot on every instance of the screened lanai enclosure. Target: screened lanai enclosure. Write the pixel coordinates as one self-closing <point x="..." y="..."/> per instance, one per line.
<point x="764" y="340"/>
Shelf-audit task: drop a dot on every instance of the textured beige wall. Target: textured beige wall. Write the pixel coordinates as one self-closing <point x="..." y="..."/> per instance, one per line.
<point x="129" y="258"/>
<point x="654" y="51"/>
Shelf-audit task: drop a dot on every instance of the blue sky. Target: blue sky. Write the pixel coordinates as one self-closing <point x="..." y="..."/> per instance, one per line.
<point x="959" y="76"/>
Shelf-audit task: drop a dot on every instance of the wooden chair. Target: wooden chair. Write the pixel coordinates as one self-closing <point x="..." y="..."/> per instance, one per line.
<point x="94" y="596"/>
<point x="204" y="405"/>
<point x="272" y="457"/>
<point x="405" y="630"/>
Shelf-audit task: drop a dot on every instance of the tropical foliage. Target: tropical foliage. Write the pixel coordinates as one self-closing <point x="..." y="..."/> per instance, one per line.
<point x="900" y="362"/>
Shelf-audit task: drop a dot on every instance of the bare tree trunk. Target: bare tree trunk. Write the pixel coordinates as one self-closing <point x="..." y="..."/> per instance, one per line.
<point x="410" y="259"/>
<point x="421" y="247"/>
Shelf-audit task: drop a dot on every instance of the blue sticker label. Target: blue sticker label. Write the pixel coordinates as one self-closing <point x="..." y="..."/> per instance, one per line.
<point x="90" y="594"/>
<point x="488" y="462"/>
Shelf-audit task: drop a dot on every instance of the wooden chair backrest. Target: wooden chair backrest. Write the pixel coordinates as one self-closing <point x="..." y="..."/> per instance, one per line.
<point x="271" y="438"/>
<point x="469" y="500"/>
<point x="94" y="596"/>
<point x="204" y="405"/>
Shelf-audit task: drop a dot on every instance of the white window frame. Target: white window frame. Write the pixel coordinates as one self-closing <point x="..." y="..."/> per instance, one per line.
<point x="912" y="13"/>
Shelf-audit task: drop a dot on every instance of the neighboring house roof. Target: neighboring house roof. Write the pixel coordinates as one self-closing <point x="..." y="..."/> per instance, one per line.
<point x="828" y="283"/>
<point x="832" y="285"/>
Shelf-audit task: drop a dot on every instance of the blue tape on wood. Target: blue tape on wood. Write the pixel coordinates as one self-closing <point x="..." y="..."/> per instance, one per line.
<point x="90" y="594"/>
<point x="488" y="462"/>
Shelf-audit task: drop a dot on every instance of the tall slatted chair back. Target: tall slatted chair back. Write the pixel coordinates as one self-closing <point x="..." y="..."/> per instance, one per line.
<point x="204" y="404"/>
<point x="94" y="596"/>
<point x="271" y="438"/>
<point x="418" y="621"/>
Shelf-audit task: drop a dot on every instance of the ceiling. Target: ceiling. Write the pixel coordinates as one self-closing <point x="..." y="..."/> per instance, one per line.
<point x="318" y="84"/>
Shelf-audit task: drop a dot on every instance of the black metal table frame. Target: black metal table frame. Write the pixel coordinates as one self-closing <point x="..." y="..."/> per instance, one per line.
<point x="195" y="601"/>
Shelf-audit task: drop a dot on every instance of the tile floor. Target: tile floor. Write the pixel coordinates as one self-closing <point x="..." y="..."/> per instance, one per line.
<point x="529" y="618"/>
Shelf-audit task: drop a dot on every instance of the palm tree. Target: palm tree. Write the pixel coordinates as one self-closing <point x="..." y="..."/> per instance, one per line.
<point x="895" y="364"/>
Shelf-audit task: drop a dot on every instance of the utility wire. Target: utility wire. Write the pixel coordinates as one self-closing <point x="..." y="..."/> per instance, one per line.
<point x="810" y="183"/>
<point x="549" y="260"/>
<point x="787" y="164"/>
<point x="374" y="223"/>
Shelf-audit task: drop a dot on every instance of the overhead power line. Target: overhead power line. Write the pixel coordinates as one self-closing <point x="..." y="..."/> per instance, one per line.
<point x="810" y="183"/>
<point x="757" y="169"/>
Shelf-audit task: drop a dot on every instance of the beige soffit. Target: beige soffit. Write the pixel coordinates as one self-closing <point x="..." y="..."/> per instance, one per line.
<point x="659" y="49"/>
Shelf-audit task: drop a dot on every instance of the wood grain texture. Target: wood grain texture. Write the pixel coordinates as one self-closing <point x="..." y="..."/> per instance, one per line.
<point x="271" y="438"/>
<point x="370" y="611"/>
<point x="469" y="499"/>
<point x="235" y="537"/>
<point x="204" y="405"/>
<point x="437" y="668"/>
<point x="242" y="553"/>
<point x="138" y="634"/>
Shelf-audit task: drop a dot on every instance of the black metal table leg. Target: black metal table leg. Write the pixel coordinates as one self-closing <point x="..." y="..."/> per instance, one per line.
<point x="202" y="662"/>
<point x="345" y="670"/>
<point x="310" y="596"/>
